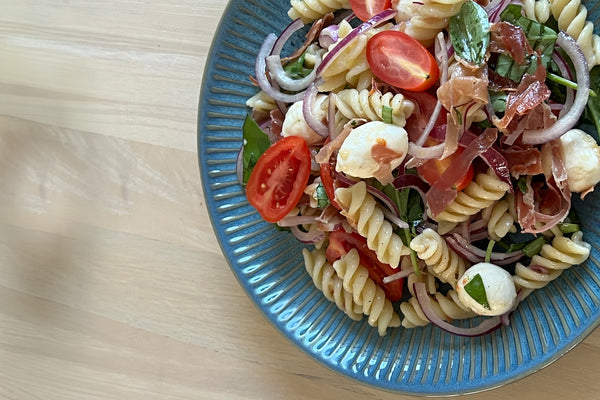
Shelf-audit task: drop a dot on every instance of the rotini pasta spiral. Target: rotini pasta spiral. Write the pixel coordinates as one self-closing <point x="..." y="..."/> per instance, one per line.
<point x="363" y="214"/>
<point x="482" y="192"/>
<point x="311" y="10"/>
<point x="326" y="280"/>
<point x="351" y="66"/>
<point x="366" y="293"/>
<point x="537" y="10"/>
<point x="554" y="258"/>
<point x="368" y="104"/>
<point x="442" y="262"/>
<point x="571" y="16"/>
<point x="423" y="21"/>
<point x="448" y="307"/>
<point x="500" y="217"/>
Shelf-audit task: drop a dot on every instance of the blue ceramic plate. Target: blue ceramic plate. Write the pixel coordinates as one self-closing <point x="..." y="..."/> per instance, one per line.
<point x="268" y="263"/>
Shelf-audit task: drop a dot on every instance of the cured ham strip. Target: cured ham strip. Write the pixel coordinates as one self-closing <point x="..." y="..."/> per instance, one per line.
<point x="543" y="206"/>
<point x="443" y="192"/>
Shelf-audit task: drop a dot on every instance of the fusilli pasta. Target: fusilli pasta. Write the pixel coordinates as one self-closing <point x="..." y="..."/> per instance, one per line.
<point x="353" y="103"/>
<point x="500" y="217"/>
<point x="311" y="10"/>
<point x="363" y="213"/>
<point x="482" y="192"/>
<point x="326" y="280"/>
<point x="442" y="262"/>
<point x="571" y="16"/>
<point x="366" y="293"/>
<point x="351" y="66"/>
<point x="448" y="307"/>
<point x="423" y="21"/>
<point x="552" y="260"/>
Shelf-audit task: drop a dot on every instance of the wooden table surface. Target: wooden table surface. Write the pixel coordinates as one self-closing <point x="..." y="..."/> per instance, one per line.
<point x="112" y="284"/>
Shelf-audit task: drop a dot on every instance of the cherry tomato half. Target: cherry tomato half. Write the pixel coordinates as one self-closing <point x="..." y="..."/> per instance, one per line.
<point x="341" y="242"/>
<point x="279" y="178"/>
<point x="367" y="9"/>
<point x="433" y="169"/>
<point x="401" y="61"/>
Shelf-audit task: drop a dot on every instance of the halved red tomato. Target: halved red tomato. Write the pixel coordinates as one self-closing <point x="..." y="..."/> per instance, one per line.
<point x="341" y="242"/>
<point x="367" y="9"/>
<point x="399" y="60"/>
<point x="279" y="178"/>
<point x="433" y="169"/>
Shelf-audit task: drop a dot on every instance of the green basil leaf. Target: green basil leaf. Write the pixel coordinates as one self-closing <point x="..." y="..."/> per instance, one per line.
<point x="567" y="227"/>
<point x="386" y="114"/>
<point x="296" y="69"/>
<point x="522" y="184"/>
<point x="592" y="110"/>
<point x="255" y="143"/>
<point x="470" y="32"/>
<point x="322" y="199"/>
<point x="534" y="247"/>
<point x="498" y="100"/>
<point x="540" y="37"/>
<point x="476" y="289"/>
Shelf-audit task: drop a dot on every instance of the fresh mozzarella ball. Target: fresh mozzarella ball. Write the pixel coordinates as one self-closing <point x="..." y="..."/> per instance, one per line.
<point x="582" y="160"/>
<point x="294" y="123"/>
<point x="373" y="150"/>
<point x="499" y="289"/>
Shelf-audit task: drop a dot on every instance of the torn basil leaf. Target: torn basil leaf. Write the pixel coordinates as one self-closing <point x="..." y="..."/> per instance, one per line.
<point x="256" y="142"/>
<point x="470" y="32"/>
<point x="476" y="289"/>
<point x="534" y="247"/>
<point x="540" y="37"/>
<point x="296" y="69"/>
<point x="322" y="199"/>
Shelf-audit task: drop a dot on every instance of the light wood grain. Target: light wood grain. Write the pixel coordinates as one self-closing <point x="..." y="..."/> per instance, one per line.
<point x="112" y="284"/>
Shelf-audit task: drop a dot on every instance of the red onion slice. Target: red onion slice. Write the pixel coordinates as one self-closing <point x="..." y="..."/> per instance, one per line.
<point x="568" y="121"/>
<point x="287" y="33"/>
<point x="284" y="80"/>
<point x="260" y="70"/>
<point x="308" y="109"/>
<point x="310" y="237"/>
<point x="365" y="26"/>
<point x="486" y="326"/>
<point x="479" y="254"/>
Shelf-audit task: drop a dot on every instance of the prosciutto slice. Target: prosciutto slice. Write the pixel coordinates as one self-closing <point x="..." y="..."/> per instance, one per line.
<point x="545" y="204"/>
<point x="443" y="191"/>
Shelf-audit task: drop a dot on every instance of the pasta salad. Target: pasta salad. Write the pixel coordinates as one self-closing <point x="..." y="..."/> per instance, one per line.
<point x="427" y="152"/>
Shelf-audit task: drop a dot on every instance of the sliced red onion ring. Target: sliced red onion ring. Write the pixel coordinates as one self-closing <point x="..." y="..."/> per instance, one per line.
<point x="260" y="70"/>
<point x="308" y="109"/>
<point x="310" y="237"/>
<point x="329" y="36"/>
<point x="566" y="73"/>
<point x="284" y="80"/>
<point x="479" y="254"/>
<point x="287" y="33"/>
<point x="568" y="121"/>
<point x="365" y="26"/>
<point x="486" y="326"/>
